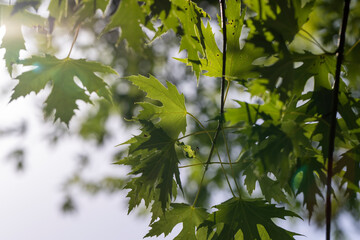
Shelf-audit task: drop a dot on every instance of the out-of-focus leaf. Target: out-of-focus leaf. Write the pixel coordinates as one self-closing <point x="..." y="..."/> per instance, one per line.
<point x="129" y="17"/>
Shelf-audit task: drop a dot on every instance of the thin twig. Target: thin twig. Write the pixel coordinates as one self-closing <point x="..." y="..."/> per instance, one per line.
<point x="335" y="101"/>
<point x="221" y="162"/>
<point x="222" y="103"/>
<point x="230" y="163"/>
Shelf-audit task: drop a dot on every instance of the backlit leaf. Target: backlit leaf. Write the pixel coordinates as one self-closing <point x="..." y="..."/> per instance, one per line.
<point x="60" y="74"/>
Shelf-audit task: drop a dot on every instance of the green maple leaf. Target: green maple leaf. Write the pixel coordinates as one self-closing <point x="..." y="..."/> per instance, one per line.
<point x="13" y="41"/>
<point x="152" y="155"/>
<point x="60" y="74"/>
<point x="250" y="216"/>
<point x="305" y="178"/>
<point x="172" y="113"/>
<point x="189" y="216"/>
<point x="129" y="16"/>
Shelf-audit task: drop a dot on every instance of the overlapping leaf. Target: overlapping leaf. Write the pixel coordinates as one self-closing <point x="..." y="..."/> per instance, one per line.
<point x="60" y="74"/>
<point x="172" y="113"/>
<point x="189" y="216"/>
<point x="184" y="18"/>
<point x="283" y="18"/>
<point x="247" y="216"/>
<point x="152" y="155"/>
<point x="308" y="174"/>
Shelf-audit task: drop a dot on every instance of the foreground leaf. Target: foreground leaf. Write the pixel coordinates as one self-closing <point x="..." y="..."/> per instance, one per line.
<point x="251" y="217"/>
<point x="189" y="216"/>
<point x="65" y="92"/>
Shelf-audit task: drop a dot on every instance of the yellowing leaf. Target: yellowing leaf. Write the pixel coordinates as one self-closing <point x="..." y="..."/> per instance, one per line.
<point x="65" y="92"/>
<point x="172" y="113"/>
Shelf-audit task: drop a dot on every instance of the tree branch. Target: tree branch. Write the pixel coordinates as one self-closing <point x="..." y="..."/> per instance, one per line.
<point x="335" y="101"/>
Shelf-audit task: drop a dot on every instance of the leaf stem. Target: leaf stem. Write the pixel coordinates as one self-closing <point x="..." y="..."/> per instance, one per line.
<point x="195" y="133"/>
<point x="200" y="124"/>
<point x="335" y="101"/>
<point x="221" y="162"/>
<point x="74" y="40"/>
<point x="313" y="40"/>
<point x="201" y="164"/>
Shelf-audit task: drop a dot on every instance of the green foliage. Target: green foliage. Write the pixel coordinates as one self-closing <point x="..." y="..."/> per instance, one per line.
<point x="279" y="75"/>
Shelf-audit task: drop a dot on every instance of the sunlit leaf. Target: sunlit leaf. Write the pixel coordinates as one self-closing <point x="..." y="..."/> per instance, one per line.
<point x="172" y="113"/>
